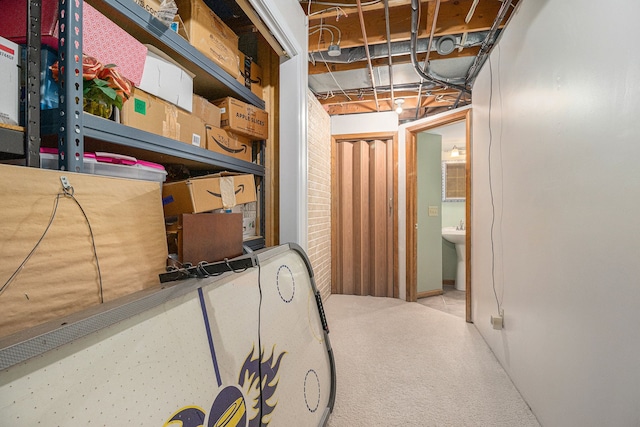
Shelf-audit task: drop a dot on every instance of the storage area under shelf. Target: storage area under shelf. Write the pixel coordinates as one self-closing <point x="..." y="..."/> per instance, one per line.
<point x="11" y="142"/>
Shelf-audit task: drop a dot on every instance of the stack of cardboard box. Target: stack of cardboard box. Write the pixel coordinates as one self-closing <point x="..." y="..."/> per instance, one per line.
<point x="205" y="216"/>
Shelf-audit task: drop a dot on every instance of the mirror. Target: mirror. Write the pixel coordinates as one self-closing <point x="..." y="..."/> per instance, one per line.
<point x="453" y="181"/>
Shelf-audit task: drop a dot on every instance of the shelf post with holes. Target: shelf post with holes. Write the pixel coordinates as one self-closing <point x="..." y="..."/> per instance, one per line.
<point x="70" y="132"/>
<point x="32" y="108"/>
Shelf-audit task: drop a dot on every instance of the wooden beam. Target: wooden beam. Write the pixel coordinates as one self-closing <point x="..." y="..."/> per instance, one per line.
<point x="410" y="97"/>
<point x="331" y="12"/>
<point x="369" y="106"/>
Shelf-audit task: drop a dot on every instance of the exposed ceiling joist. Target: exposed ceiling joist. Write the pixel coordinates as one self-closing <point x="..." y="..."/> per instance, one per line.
<point x="450" y="21"/>
<point x="341" y="81"/>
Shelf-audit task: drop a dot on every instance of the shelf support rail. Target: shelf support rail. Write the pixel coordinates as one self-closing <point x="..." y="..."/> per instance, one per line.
<point x="70" y="133"/>
<point x="32" y="140"/>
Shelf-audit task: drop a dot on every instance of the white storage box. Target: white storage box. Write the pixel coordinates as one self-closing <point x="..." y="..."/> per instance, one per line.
<point x="10" y="77"/>
<point x="166" y="79"/>
<point x="108" y="164"/>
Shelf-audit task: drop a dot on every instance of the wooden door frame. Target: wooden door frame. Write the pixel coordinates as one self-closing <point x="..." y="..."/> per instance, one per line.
<point x="388" y="136"/>
<point x="411" y="133"/>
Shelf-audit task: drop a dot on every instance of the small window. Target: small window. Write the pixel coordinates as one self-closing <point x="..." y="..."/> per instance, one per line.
<point x="453" y="181"/>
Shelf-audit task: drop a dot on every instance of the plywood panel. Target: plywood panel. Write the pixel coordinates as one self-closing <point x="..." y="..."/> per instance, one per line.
<point x="61" y="276"/>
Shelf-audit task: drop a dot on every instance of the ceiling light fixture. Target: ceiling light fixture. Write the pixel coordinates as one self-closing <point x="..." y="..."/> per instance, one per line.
<point x="445" y="45"/>
<point x="399" y="103"/>
<point x="334" y="50"/>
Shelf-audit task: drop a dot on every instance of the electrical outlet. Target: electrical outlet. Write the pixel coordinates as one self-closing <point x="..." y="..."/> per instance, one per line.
<point x="497" y="322"/>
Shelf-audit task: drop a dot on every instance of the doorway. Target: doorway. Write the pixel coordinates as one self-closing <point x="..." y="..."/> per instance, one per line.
<point x="411" y="133"/>
<point x="364" y="215"/>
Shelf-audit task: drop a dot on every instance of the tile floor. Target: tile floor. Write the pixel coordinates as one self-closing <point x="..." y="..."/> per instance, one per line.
<point x="451" y="301"/>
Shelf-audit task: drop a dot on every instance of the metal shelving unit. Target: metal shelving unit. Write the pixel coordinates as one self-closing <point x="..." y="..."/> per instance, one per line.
<point x="76" y="129"/>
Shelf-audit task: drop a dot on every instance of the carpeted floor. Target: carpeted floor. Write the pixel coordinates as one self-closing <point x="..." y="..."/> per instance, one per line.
<point x="404" y="364"/>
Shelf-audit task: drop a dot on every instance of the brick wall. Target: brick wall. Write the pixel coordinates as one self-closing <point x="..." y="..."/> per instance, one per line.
<point x="319" y="203"/>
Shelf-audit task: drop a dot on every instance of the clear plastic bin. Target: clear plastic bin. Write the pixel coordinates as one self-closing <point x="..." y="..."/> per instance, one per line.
<point x="134" y="169"/>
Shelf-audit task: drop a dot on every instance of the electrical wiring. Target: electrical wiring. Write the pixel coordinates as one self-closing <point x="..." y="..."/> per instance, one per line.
<point x="501" y="168"/>
<point x="68" y="193"/>
<point x="329" y="70"/>
<point x="260" y="342"/>
<point x="328" y="28"/>
<point x="333" y="77"/>
<point x="326" y="3"/>
<point x="338" y="9"/>
<point x="493" y="206"/>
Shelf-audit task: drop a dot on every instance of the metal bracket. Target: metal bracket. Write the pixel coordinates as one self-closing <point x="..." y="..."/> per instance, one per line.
<point x="65" y="182"/>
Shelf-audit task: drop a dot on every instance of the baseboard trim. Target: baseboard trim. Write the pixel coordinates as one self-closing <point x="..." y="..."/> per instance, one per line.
<point x="449" y="282"/>
<point x="432" y="293"/>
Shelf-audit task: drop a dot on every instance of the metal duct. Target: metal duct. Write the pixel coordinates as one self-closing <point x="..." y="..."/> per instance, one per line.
<point x="378" y="51"/>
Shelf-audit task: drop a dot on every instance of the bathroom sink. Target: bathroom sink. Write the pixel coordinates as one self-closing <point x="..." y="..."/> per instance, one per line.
<point x="454" y="236"/>
<point x="457" y="237"/>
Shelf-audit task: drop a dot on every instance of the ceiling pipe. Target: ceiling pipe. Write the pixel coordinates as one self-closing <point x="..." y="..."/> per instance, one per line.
<point x="419" y="100"/>
<point x="415" y="4"/>
<point x="386" y="20"/>
<point x="354" y="54"/>
<point x="431" y="33"/>
<point x="488" y="43"/>
<point x="366" y="47"/>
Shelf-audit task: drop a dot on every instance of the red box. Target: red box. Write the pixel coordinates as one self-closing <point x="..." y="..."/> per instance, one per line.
<point x="13" y="24"/>
<point x="101" y="38"/>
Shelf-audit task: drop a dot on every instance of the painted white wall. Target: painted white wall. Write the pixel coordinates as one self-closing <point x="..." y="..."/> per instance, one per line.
<point x="287" y="20"/>
<point x="561" y="99"/>
<point x="386" y="121"/>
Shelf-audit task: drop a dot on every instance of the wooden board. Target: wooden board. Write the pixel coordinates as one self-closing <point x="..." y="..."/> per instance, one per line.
<point x="61" y="276"/>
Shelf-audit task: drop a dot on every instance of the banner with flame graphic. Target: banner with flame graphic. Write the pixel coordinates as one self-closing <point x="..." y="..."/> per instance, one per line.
<point x="245" y="349"/>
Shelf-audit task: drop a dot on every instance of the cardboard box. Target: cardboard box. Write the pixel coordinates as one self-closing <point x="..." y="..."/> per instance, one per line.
<point x="244" y="119"/>
<point x="227" y="143"/>
<point x="249" y="213"/>
<point x="118" y="48"/>
<point x="250" y="75"/>
<point x="206" y="111"/>
<point x="10" y="77"/>
<point x="208" y="237"/>
<point x="151" y="114"/>
<point x="190" y="130"/>
<point x="151" y="6"/>
<point x="13" y="24"/>
<point x="209" y="34"/>
<point x="166" y="79"/>
<point x="207" y="193"/>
